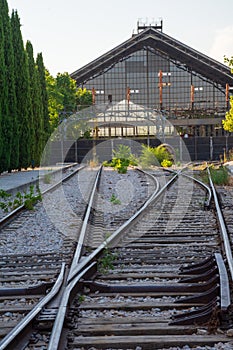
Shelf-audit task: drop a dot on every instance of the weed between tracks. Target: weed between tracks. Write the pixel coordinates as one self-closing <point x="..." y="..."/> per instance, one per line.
<point x="219" y="175"/>
<point x="114" y="199"/>
<point x="105" y="263"/>
<point x="26" y="199"/>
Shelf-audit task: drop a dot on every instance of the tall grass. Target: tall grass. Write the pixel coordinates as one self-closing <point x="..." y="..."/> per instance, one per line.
<point x="219" y="176"/>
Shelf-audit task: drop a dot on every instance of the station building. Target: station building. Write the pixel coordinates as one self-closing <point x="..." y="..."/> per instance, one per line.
<point x="152" y="77"/>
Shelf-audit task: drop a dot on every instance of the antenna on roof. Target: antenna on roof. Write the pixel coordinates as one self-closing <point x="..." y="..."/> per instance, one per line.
<point x="143" y="24"/>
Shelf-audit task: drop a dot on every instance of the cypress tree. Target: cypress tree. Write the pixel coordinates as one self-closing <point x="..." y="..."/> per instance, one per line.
<point x="22" y="88"/>
<point x="9" y="158"/>
<point x="2" y="91"/>
<point x="36" y="115"/>
<point x="44" y="96"/>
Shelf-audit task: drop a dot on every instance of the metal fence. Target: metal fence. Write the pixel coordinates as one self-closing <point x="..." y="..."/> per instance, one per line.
<point x="186" y="149"/>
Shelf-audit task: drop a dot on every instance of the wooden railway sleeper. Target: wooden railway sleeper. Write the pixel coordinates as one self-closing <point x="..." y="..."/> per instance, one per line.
<point x="46" y="318"/>
<point x="39" y="289"/>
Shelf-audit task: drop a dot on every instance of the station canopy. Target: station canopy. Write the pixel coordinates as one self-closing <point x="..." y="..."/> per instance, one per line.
<point x="126" y="113"/>
<point x="123" y="118"/>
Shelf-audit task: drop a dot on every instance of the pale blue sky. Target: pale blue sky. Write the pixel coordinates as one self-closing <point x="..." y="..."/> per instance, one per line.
<point x="71" y="33"/>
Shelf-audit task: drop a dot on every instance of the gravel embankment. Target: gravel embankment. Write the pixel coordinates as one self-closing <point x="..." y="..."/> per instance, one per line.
<point x="60" y="213"/>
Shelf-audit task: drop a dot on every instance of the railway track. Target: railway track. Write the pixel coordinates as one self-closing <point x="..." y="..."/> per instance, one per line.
<point x="27" y="279"/>
<point x="28" y="270"/>
<point x="167" y="283"/>
<point x="159" y="281"/>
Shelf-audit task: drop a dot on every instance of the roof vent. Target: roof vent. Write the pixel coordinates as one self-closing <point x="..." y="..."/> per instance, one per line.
<point x="143" y="24"/>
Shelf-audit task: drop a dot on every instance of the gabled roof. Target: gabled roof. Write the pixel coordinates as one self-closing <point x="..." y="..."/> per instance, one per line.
<point x="167" y="46"/>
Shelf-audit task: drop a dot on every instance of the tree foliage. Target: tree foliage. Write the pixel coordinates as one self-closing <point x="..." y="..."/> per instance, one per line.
<point x="32" y="102"/>
<point x="23" y="97"/>
<point x="64" y="98"/>
<point x="67" y="87"/>
<point x="228" y="121"/>
<point x="44" y="97"/>
<point x="9" y="157"/>
<point x="55" y="100"/>
<point x="83" y="98"/>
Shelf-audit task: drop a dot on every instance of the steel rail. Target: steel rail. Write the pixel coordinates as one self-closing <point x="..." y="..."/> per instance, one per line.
<point x="203" y="185"/>
<point x="15" y="334"/>
<point x="84" y="225"/>
<point x="81" y="268"/>
<point x="152" y="177"/>
<point x="54" y="186"/>
<point x="89" y="262"/>
<point x="78" y="270"/>
<point x="78" y="265"/>
<point x="51" y="188"/>
<point x="17" y="331"/>
<point x="224" y="283"/>
<point x="196" y="180"/>
<point x="115" y="235"/>
<point x="223" y="229"/>
<point x="58" y="325"/>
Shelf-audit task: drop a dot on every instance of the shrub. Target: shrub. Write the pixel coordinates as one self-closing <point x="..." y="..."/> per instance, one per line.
<point x="122" y="159"/>
<point x="28" y="199"/>
<point x="219" y="176"/>
<point x="166" y="163"/>
<point x="122" y="152"/>
<point x="106" y="163"/>
<point x="154" y="156"/>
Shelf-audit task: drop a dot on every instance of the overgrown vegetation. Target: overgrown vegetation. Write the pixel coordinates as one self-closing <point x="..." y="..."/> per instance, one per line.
<point x="155" y="156"/>
<point x="105" y="263"/>
<point x="27" y="199"/>
<point x="150" y="156"/>
<point x="219" y="175"/>
<point x="122" y="159"/>
<point x="228" y="121"/>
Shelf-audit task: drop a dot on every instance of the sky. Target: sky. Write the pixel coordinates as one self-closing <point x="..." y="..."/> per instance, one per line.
<point x="72" y="33"/>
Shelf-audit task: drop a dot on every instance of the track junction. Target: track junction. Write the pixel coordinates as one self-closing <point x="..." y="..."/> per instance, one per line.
<point x="158" y="277"/>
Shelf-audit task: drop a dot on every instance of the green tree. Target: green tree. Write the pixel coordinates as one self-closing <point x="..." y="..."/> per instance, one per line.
<point x="2" y="92"/>
<point x="36" y="123"/>
<point x="67" y="87"/>
<point x="9" y="157"/>
<point x="83" y="98"/>
<point x="55" y="100"/>
<point x="228" y="121"/>
<point x="229" y="61"/>
<point x="23" y="96"/>
<point x="63" y="98"/>
<point x="44" y="97"/>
